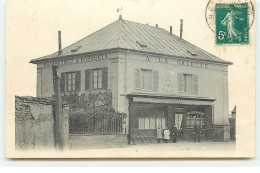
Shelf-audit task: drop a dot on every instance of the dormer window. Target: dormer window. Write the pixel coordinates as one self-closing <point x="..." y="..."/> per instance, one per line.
<point x="141" y="44"/>
<point x="193" y="54"/>
<point x="75" y="48"/>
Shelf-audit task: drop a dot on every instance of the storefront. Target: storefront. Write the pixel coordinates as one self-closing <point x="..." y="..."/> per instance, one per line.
<point x="156" y="82"/>
<point x="149" y="113"/>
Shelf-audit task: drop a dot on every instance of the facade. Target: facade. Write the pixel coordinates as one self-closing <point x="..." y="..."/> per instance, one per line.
<point x="156" y="78"/>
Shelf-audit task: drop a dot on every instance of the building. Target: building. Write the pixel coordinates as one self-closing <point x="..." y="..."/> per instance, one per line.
<point x="156" y="77"/>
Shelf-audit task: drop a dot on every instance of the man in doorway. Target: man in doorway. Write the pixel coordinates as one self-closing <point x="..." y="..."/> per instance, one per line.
<point x="174" y="134"/>
<point x="197" y="131"/>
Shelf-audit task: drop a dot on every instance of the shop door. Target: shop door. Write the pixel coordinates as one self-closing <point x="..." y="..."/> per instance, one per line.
<point x="178" y="120"/>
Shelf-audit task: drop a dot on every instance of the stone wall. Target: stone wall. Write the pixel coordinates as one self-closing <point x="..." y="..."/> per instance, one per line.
<point x="34" y="123"/>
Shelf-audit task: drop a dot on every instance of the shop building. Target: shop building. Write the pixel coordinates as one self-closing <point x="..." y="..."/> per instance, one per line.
<point x="156" y="78"/>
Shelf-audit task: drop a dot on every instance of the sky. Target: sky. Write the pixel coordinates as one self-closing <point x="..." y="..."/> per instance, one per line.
<point x="32" y="32"/>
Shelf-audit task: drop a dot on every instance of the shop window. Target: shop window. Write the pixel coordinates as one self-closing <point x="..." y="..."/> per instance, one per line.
<point x="70" y="81"/>
<point x="151" y="123"/>
<point x="96" y="79"/>
<point x="195" y="117"/>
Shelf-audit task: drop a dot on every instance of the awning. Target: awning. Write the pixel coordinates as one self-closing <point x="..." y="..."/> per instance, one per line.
<point x="181" y="101"/>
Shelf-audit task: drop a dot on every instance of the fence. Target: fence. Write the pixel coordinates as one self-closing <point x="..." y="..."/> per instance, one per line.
<point x="96" y="125"/>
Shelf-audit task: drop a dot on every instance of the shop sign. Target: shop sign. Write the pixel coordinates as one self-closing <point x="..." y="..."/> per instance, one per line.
<point x="75" y="60"/>
<point x="195" y="113"/>
<point x="179" y="109"/>
<point x="194" y="64"/>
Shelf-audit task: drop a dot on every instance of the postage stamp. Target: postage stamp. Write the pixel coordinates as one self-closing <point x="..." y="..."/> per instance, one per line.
<point x="231" y="23"/>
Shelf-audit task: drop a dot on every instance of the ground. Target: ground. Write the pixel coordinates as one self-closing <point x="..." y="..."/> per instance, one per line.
<point x="177" y="146"/>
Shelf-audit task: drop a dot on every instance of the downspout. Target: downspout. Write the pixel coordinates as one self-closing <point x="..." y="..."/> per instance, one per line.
<point x="125" y="92"/>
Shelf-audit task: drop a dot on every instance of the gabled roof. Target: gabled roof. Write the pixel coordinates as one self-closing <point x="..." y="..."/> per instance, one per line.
<point x="124" y="34"/>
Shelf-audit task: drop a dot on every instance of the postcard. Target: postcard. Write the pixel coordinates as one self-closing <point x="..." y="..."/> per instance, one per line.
<point x="130" y="79"/>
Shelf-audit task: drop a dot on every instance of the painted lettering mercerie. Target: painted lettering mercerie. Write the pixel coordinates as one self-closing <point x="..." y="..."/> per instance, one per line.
<point x="75" y="60"/>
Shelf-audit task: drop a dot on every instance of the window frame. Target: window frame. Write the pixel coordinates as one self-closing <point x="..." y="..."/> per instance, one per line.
<point x="162" y="122"/>
<point x="71" y="81"/>
<point x="185" y="83"/>
<point x="142" y="79"/>
<point x="99" y="83"/>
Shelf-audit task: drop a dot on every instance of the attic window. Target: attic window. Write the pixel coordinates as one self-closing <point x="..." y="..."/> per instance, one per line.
<point x="75" y="48"/>
<point x="193" y="54"/>
<point x="141" y="44"/>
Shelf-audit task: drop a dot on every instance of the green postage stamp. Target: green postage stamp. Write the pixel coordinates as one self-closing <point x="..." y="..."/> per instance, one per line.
<point x="232" y="23"/>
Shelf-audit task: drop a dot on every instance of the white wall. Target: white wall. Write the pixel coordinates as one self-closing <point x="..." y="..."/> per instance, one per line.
<point x="213" y="81"/>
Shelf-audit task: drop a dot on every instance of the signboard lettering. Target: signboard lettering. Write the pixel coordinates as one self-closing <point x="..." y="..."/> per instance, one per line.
<point x="75" y="60"/>
<point x="191" y="64"/>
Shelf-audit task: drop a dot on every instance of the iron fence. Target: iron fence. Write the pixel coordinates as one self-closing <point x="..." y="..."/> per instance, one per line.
<point x="97" y="125"/>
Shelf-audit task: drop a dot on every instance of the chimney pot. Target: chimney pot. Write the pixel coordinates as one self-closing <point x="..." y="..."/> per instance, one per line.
<point x="181" y="28"/>
<point x="156" y="25"/>
<point x="59" y="40"/>
<point x="171" y="30"/>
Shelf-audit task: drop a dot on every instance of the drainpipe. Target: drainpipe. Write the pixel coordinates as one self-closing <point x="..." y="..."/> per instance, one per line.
<point x="125" y="91"/>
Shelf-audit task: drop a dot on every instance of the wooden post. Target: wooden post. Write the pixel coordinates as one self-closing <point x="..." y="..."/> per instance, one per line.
<point x="58" y="109"/>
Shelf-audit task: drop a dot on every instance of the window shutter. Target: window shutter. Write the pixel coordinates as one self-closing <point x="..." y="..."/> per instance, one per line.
<point x="105" y="78"/>
<point x="155" y="80"/>
<point x="87" y="79"/>
<point x="195" y="84"/>
<point x="62" y="83"/>
<point x="137" y="78"/>
<point x="180" y="83"/>
<point x="77" y="81"/>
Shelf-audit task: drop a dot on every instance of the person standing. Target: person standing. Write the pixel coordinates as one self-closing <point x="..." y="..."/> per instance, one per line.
<point x="174" y="134"/>
<point x="197" y="131"/>
<point x="159" y="134"/>
<point x="166" y="134"/>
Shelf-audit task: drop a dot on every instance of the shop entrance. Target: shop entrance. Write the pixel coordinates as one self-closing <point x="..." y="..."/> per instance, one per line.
<point x="178" y="120"/>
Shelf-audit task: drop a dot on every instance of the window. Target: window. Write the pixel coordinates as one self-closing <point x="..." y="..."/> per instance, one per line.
<point x="195" y="116"/>
<point x="97" y="78"/>
<point x="187" y="83"/>
<point x="146" y="123"/>
<point x="146" y="79"/>
<point x="71" y="81"/>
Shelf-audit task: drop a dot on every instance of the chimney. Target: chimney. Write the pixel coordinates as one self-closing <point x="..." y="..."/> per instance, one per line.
<point x="171" y="30"/>
<point x="156" y="25"/>
<point x="59" y="40"/>
<point x="181" y="28"/>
